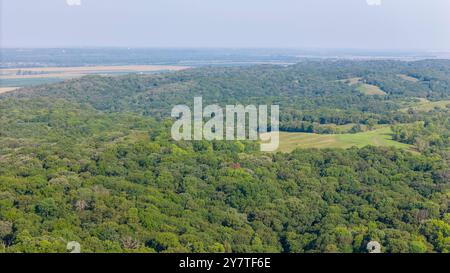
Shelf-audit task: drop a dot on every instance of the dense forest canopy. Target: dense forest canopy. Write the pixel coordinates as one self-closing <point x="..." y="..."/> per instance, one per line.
<point x="91" y="160"/>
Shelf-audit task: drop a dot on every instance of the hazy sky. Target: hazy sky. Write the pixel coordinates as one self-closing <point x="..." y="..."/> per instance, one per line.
<point x="385" y="24"/>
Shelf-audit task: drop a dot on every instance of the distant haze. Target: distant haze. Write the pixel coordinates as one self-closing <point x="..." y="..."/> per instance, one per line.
<point x="357" y="24"/>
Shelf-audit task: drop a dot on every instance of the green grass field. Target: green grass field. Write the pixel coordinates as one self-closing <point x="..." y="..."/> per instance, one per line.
<point x="378" y="137"/>
<point x="364" y="88"/>
<point x="369" y="89"/>
<point x="426" y="105"/>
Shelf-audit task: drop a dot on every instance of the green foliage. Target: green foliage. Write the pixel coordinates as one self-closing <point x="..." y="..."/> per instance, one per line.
<point x="91" y="160"/>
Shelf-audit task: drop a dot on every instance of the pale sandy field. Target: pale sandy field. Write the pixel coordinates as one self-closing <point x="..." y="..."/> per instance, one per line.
<point x="7" y="89"/>
<point x="70" y="72"/>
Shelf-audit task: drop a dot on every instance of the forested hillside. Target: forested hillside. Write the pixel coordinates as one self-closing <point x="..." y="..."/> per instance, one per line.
<point x="91" y="160"/>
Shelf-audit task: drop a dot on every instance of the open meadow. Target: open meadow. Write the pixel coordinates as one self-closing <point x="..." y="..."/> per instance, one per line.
<point x="368" y="89"/>
<point x="424" y="105"/>
<point x="378" y="137"/>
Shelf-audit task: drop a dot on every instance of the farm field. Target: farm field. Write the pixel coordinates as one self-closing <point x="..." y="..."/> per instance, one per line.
<point x="6" y="89"/>
<point x="36" y="75"/>
<point x="377" y="137"/>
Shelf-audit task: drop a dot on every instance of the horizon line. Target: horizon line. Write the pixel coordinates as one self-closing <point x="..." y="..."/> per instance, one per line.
<point x="397" y="50"/>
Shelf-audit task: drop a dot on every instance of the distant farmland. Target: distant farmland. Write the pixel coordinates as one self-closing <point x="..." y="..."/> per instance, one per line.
<point x="6" y="89"/>
<point x="12" y="77"/>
